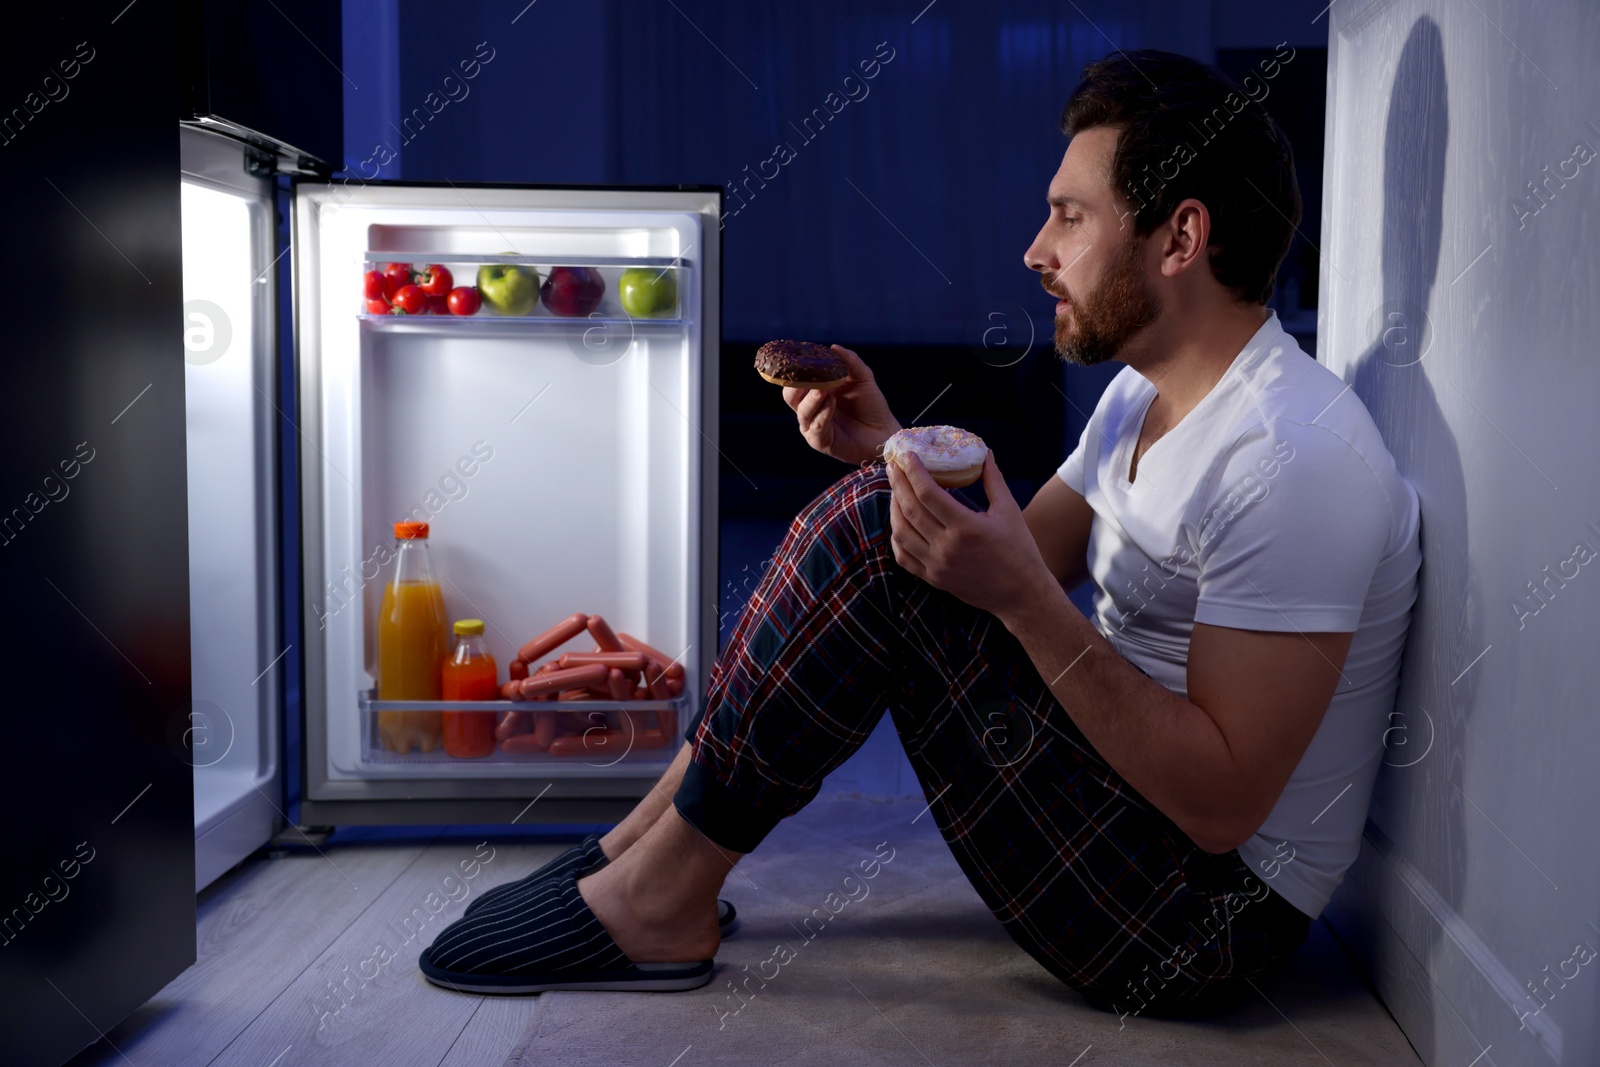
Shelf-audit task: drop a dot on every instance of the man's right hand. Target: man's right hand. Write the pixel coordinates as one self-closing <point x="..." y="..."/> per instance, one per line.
<point x="850" y="422"/>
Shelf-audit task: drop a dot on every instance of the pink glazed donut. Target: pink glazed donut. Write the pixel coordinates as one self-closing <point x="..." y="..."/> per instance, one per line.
<point x="953" y="456"/>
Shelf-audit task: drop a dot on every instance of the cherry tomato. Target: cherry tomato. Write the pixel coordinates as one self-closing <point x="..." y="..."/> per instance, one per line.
<point x="437" y="305"/>
<point x="435" y="280"/>
<point x="373" y="285"/>
<point x="465" y="300"/>
<point x="377" y="306"/>
<point x="395" y="275"/>
<point x="410" y="300"/>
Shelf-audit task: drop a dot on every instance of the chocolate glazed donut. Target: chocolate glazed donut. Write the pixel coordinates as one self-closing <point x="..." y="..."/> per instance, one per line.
<point x="801" y="364"/>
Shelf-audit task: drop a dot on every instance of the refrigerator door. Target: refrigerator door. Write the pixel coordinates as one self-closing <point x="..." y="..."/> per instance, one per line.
<point x="228" y="292"/>
<point x="563" y="456"/>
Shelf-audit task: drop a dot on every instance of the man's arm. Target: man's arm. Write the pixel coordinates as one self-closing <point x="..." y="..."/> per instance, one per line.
<point x="1060" y="519"/>
<point x="1214" y="764"/>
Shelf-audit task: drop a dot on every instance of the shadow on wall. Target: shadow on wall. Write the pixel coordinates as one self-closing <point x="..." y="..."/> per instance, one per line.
<point x="1435" y="698"/>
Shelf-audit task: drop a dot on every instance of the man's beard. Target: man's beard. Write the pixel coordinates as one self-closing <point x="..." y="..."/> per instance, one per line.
<point x="1099" y="325"/>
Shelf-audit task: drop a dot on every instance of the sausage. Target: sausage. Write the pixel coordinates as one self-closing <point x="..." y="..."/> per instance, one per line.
<point x="589" y="743"/>
<point x="575" y="694"/>
<point x="667" y="723"/>
<point x="641" y="693"/>
<point x="556" y="680"/>
<point x="674" y="668"/>
<point x="511" y="724"/>
<point x="544" y="728"/>
<point x="621" y="688"/>
<point x="512" y="690"/>
<point x="522" y="744"/>
<point x="656" y="679"/>
<point x="674" y="685"/>
<point x="650" y="739"/>
<point x="518" y="669"/>
<point x="625" y="660"/>
<point x="604" y="636"/>
<point x="559" y="634"/>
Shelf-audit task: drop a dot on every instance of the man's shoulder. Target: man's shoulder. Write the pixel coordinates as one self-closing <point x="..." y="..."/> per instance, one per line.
<point x="1289" y="401"/>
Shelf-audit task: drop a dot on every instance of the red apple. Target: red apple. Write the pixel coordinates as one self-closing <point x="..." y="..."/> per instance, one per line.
<point x="572" y="292"/>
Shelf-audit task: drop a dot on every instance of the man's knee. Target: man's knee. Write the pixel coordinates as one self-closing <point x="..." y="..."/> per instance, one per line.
<point x="864" y="490"/>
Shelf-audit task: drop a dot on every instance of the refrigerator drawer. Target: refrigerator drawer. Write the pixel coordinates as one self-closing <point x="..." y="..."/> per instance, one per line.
<point x="558" y="736"/>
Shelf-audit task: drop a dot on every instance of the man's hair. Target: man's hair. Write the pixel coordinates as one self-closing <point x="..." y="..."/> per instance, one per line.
<point x="1186" y="130"/>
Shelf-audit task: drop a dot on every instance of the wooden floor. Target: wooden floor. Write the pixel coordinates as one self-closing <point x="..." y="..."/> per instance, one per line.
<point x="311" y="959"/>
<point x="278" y="937"/>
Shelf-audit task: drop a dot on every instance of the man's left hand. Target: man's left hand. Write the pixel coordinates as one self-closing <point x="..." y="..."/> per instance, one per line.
<point x="988" y="559"/>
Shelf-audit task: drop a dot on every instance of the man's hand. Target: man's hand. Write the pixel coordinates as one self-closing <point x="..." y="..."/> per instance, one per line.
<point x="988" y="559"/>
<point x="850" y="422"/>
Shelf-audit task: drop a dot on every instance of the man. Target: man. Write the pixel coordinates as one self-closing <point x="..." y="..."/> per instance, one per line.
<point x="1179" y="786"/>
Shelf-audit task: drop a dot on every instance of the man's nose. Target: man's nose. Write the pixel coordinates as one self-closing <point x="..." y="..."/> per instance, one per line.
<point x="1040" y="256"/>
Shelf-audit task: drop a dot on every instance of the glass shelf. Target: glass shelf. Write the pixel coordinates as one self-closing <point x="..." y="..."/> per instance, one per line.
<point x="376" y="260"/>
<point x="539" y="319"/>
<point x="608" y="732"/>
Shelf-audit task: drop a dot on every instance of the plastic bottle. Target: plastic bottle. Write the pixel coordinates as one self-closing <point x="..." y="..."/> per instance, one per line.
<point x="469" y="674"/>
<point x="411" y="643"/>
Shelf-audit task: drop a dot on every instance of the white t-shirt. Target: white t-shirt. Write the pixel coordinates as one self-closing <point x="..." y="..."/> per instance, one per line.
<point x="1272" y="505"/>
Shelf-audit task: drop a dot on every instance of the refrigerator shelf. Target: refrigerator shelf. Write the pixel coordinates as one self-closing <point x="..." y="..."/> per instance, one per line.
<point x="488" y="321"/>
<point x="369" y="703"/>
<point x="375" y="260"/>
<point x="655" y="743"/>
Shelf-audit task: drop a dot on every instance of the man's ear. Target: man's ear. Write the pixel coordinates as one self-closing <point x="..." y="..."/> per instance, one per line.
<point x="1187" y="233"/>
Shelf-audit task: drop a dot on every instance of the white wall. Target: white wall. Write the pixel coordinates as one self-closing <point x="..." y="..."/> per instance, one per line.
<point x="1480" y="873"/>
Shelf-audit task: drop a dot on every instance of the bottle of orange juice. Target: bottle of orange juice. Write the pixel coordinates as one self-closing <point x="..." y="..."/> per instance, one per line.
<point x="411" y="643"/>
<point x="469" y="674"/>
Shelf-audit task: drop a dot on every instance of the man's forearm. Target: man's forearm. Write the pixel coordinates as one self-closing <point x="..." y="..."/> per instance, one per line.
<point x="1167" y="748"/>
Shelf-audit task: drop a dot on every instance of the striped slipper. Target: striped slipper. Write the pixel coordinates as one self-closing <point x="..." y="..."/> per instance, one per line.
<point x="584" y="858"/>
<point x="554" y="942"/>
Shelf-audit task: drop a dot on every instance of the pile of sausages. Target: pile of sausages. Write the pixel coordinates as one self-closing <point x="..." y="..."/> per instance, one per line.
<point x="621" y="667"/>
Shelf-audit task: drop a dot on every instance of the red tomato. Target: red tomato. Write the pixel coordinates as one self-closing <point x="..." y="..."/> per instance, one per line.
<point x="410" y="300"/>
<point x="374" y="286"/>
<point x="436" y="305"/>
<point x="395" y="275"/>
<point x="465" y="300"/>
<point x="435" y="280"/>
<point x="378" y="306"/>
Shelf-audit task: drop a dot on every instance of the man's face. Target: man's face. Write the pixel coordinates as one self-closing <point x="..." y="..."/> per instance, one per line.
<point x="1089" y="259"/>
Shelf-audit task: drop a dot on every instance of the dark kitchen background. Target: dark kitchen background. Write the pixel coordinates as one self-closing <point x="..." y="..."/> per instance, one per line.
<point x="895" y="226"/>
<point x="883" y="167"/>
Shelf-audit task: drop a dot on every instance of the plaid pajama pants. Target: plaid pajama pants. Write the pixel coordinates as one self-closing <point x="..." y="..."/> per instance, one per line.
<point x="1082" y="872"/>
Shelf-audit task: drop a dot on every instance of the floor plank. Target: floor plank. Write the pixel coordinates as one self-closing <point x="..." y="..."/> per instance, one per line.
<point x="257" y="929"/>
<point x="362" y="1000"/>
<point x="493" y="1031"/>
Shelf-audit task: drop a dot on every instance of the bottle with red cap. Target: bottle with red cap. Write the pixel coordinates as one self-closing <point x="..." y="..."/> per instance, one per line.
<point x="411" y="643"/>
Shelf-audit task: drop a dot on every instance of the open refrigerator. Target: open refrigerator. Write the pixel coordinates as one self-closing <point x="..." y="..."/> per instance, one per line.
<point x="563" y="462"/>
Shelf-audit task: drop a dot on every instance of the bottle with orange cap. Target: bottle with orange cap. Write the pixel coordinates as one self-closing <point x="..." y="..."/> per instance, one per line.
<point x="411" y="644"/>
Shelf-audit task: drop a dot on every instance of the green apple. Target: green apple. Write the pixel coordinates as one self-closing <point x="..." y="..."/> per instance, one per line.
<point x="646" y="292"/>
<point x="509" y="289"/>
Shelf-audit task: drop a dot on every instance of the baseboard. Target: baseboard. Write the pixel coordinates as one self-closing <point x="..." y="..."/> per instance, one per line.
<point x="1401" y="932"/>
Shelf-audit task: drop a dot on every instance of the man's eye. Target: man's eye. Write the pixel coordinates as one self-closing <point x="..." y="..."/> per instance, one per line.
<point x="1070" y="220"/>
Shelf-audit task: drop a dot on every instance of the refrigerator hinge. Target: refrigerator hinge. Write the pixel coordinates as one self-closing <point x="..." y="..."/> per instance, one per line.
<point x="260" y="164"/>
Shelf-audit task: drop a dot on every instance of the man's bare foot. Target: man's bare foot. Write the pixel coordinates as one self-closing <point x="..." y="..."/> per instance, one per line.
<point x="648" y="810"/>
<point x="658" y="900"/>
